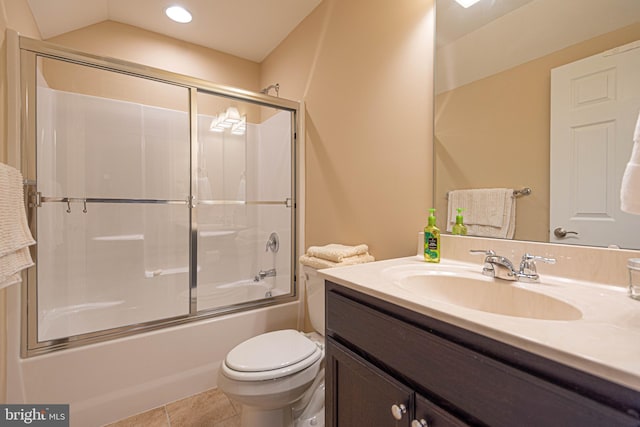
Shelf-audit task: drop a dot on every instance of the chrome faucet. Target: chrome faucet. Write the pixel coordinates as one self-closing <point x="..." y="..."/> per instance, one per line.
<point x="496" y="265"/>
<point x="262" y="274"/>
<point x="502" y="268"/>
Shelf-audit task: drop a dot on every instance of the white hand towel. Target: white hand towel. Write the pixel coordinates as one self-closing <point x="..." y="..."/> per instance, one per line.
<point x="336" y="252"/>
<point x="488" y="212"/>
<point x="14" y="229"/>
<point x="630" y="188"/>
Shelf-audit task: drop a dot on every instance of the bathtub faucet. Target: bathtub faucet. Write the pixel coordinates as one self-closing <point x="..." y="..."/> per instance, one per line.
<point x="262" y="274"/>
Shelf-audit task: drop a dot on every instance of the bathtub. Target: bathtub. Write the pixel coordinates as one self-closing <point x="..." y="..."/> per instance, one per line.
<point x="111" y="380"/>
<point x="76" y="319"/>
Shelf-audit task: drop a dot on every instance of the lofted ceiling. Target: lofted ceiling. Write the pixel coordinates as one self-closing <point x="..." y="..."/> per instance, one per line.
<point x="249" y="29"/>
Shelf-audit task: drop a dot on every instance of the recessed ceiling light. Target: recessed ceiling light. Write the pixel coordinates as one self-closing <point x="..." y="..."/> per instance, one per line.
<point x="178" y="14"/>
<point x="467" y="3"/>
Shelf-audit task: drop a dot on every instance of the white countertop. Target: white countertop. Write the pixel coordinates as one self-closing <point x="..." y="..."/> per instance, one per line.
<point x="605" y="341"/>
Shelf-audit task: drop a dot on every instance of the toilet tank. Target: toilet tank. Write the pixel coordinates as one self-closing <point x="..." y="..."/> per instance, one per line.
<point x="314" y="286"/>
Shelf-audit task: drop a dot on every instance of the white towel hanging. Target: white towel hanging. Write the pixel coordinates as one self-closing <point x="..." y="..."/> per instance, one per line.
<point x="630" y="188"/>
<point x="15" y="235"/>
<point x="488" y="212"/>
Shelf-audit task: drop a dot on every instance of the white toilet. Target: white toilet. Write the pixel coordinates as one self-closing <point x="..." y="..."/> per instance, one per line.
<point x="278" y="377"/>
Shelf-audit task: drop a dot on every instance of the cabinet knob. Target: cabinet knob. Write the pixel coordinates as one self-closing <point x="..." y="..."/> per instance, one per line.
<point x="419" y="423"/>
<point x="398" y="411"/>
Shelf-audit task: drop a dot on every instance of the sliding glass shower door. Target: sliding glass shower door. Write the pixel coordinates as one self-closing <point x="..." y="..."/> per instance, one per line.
<point x="113" y="171"/>
<point x="244" y="187"/>
<point x="155" y="199"/>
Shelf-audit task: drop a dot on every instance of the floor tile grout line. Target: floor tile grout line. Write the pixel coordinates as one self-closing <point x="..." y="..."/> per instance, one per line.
<point x="166" y="414"/>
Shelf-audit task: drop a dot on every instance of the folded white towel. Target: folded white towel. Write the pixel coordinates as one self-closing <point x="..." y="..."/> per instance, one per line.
<point x="321" y="263"/>
<point x="488" y="212"/>
<point x="14" y="229"/>
<point x="336" y="252"/>
<point x="630" y="188"/>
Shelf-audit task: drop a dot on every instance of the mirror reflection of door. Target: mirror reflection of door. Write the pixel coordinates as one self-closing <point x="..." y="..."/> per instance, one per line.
<point x="594" y="107"/>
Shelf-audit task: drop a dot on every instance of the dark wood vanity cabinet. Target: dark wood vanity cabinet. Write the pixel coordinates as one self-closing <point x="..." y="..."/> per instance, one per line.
<point x="384" y="361"/>
<point x="370" y="397"/>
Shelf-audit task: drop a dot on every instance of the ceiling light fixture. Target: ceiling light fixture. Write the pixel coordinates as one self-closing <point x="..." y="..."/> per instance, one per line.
<point x="178" y="14"/>
<point x="467" y="3"/>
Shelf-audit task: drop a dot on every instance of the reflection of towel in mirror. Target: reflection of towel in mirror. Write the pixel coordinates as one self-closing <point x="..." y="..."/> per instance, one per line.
<point x="488" y="212"/>
<point x="14" y="230"/>
<point x="630" y="188"/>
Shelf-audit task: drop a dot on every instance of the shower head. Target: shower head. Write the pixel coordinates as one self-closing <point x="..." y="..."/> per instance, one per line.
<point x="268" y="88"/>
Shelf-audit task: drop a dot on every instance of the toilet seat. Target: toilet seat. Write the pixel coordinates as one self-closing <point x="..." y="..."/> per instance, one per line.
<point x="271" y="355"/>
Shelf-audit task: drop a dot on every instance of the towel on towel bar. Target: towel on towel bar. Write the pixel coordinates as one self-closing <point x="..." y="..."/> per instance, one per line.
<point x="11" y="265"/>
<point x="630" y="188"/>
<point x="488" y="212"/>
<point x="15" y="236"/>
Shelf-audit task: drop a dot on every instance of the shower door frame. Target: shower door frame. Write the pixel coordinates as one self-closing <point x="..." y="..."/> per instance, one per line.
<point x="29" y="51"/>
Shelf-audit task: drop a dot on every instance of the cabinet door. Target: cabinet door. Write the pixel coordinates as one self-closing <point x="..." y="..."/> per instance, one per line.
<point x="429" y="414"/>
<point x="362" y="395"/>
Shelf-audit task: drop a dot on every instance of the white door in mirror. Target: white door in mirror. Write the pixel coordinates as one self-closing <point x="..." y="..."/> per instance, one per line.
<point x="594" y="104"/>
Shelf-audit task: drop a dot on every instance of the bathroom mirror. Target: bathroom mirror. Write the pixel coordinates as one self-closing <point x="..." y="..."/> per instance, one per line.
<point x="493" y="96"/>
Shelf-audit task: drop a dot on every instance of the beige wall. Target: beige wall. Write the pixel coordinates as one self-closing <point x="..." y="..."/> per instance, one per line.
<point x="364" y="70"/>
<point x="116" y="40"/>
<point x="495" y="133"/>
<point x="15" y="15"/>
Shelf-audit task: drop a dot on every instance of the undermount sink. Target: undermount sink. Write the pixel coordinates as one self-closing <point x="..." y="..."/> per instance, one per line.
<point x="487" y="294"/>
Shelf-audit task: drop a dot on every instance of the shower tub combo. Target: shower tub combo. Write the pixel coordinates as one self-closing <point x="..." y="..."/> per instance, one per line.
<point x="164" y="211"/>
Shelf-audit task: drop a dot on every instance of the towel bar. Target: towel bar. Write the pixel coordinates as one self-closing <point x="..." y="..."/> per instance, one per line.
<point x="516" y="193"/>
<point x="524" y="192"/>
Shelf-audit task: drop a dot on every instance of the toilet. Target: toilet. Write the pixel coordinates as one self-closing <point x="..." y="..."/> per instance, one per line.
<point x="278" y="377"/>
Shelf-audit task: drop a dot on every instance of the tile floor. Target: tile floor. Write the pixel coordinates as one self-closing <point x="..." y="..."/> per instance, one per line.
<point x="211" y="408"/>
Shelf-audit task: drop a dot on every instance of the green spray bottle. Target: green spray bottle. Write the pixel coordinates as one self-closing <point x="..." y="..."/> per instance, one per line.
<point x="432" y="239"/>
<point x="459" y="228"/>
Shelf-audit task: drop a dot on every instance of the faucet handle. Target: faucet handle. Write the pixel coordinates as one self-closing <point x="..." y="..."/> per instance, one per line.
<point x="528" y="258"/>
<point x="528" y="270"/>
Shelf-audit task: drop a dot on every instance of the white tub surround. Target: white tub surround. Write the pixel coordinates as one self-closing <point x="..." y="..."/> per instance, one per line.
<point x="603" y="341"/>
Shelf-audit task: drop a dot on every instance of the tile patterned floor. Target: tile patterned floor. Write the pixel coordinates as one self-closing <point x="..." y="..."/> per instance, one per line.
<point x="211" y="408"/>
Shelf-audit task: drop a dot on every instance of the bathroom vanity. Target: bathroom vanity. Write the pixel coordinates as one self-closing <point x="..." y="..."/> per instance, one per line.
<point x="396" y="361"/>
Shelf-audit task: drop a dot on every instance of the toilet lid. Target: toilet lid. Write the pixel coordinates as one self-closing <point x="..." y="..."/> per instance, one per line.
<point x="271" y="351"/>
